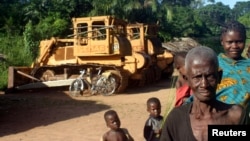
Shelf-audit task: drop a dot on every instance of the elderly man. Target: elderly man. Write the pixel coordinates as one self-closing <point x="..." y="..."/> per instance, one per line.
<point x="190" y="121"/>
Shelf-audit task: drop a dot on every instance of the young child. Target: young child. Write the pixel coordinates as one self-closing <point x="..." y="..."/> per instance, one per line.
<point x="183" y="91"/>
<point x="152" y="127"/>
<point x="115" y="133"/>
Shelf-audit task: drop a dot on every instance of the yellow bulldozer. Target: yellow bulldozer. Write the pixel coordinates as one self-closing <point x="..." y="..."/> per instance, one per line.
<point x="145" y="43"/>
<point x="125" y="52"/>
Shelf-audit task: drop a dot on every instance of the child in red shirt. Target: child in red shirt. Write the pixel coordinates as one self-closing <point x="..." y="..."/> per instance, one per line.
<point x="183" y="91"/>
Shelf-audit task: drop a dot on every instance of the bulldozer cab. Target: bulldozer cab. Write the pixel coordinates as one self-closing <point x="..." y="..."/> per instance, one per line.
<point x="143" y="38"/>
<point x="96" y="36"/>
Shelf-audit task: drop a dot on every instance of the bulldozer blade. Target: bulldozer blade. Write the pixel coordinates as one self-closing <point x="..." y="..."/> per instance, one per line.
<point x="47" y="84"/>
<point x="19" y="76"/>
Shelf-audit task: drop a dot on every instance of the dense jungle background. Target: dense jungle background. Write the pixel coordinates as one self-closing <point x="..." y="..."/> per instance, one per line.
<point x="23" y="23"/>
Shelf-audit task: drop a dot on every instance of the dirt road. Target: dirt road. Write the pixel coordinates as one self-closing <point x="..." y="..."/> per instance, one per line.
<point x="53" y="115"/>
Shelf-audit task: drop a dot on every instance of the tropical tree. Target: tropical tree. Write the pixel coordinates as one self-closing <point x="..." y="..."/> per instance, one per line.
<point x="245" y="19"/>
<point x="214" y="15"/>
<point x="240" y="9"/>
<point x="11" y="16"/>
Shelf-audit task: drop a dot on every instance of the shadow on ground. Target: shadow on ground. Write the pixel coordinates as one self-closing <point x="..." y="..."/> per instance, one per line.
<point x="28" y="109"/>
<point x="25" y="110"/>
<point x="161" y="84"/>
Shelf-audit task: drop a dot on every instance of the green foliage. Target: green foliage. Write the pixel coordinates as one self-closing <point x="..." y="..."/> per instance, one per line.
<point x="50" y="27"/>
<point x="11" y="16"/>
<point x="30" y="40"/>
<point x="212" y="42"/>
<point x="214" y="15"/>
<point x="15" y="53"/>
<point x="3" y="75"/>
<point x="240" y="9"/>
<point x="14" y="50"/>
<point x="182" y="22"/>
<point x="245" y="19"/>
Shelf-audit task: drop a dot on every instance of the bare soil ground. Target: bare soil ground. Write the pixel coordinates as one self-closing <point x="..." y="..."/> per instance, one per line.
<point x="52" y="114"/>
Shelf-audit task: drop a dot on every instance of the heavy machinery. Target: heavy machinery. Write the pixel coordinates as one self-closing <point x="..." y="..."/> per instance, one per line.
<point x="144" y="41"/>
<point x="100" y="41"/>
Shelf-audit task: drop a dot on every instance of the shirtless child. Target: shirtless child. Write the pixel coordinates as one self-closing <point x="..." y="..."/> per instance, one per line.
<point x="115" y="133"/>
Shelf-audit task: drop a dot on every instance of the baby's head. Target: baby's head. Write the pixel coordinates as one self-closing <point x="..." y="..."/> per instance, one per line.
<point x="154" y="107"/>
<point x="112" y="120"/>
<point x="179" y="61"/>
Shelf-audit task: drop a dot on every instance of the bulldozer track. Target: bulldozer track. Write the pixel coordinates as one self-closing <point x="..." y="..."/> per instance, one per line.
<point x="123" y="80"/>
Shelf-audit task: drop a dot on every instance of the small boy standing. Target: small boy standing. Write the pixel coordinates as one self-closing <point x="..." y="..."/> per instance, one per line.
<point x="115" y="133"/>
<point x="152" y="128"/>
